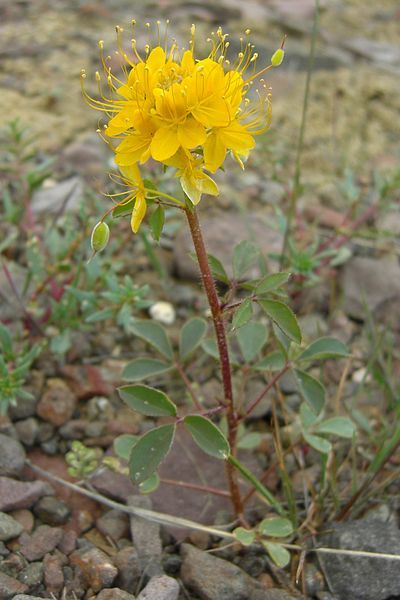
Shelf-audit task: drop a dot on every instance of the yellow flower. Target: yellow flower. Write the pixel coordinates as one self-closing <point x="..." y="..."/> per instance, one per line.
<point x="132" y="178"/>
<point x="182" y="111"/>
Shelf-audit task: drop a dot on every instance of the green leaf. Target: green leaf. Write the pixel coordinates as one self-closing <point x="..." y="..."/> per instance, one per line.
<point x="147" y="400"/>
<point x="141" y="368"/>
<point x="157" y="220"/>
<point x="318" y="443"/>
<point x="307" y="416"/>
<point x="282" y="339"/>
<point x="244" y="536"/>
<point x="243" y="314"/>
<point x="311" y="390"/>
<point x="100" y="315"/>
<point x="207" y="436"/>
<point x="251" y="338"/>
<point x="154" y="334"/>
<point x="249" y="441"/>
<point x="123" y="445"/>
<point x="325" y="347"/>
<point x="275" y="527"/>
<point x="123" y="209"/>
<point x="278" y="553"/>
<point x="341" y="426"/>
<point x="149" y="451"/>
<point x="274" y="361"/>
<point x="284" y="317"/>
<point x="191" y="335"/>
<point x="217" y="269"/>
<point x="6" y="341"/>
<point x="210" y="347"/>
<point x="271" y="283"/>
<point x="244" y="256"/>
<point x="150" y="485"/>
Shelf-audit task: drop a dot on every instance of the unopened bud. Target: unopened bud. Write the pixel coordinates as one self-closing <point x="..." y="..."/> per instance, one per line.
<point x="277" y="57"/>
<point x="100" y="236"/>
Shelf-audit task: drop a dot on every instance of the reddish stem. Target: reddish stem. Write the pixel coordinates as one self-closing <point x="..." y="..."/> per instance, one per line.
<point x="215" y="307"/>
<point x="265" y="390"/>
<point x="195" y="486"/>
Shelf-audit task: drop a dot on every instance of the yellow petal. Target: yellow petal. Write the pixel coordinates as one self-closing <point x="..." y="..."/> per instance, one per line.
<point x="131" y="173"/>
<point x="132" y="149"/>
<point x="191" y="133"/>
<point x="156" y="59"/>
<point x="236" y="137"/>
<point x="188" y="183"/>
<point x="214" y="152"/>
<point x="207" y="185"/>
<point x="164" y="143"/>
<point x="138" y="213"/>
<point x="187" y="62"/>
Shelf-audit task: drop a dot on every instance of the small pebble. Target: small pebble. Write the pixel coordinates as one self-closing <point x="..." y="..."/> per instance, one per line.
<point x="160" y="588"/>
<point x="12" y="456"/>
<point x="164" y="312"/>
<point x="52" y="511"/>
<point x="9" y="527"/>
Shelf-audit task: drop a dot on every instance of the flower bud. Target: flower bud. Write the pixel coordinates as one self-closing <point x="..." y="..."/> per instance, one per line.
<point x="277" y="57"/>
<point x="100" y="236"/>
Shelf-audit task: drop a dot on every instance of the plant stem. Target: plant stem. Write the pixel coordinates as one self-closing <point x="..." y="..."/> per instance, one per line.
<point x="215" y="307"/>
<point x="266" y="389"/>
<point x="296" y="185"/>
<point x="257" y="484"/>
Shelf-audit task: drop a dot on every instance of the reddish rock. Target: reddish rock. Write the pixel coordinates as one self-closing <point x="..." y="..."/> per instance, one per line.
<point x="113" y="485"/>
<point x="25" y="517"/>
<point x="57" y="405"/>
<point x="86" y="381"/>
<point x="96" y="567"/>
<point x="68" y="542"/>
<point x="10" y="587"/>
<point x="53" y="574"/>
<point x="114" y="524"/>
<point x="43" y="540"/>
<point x="21" y="494"/>
<point x="114" y="594"/>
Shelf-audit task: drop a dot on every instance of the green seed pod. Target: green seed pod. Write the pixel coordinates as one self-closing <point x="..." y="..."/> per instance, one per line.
<point x="100" y="236"/>
<point x="277" y="57"/>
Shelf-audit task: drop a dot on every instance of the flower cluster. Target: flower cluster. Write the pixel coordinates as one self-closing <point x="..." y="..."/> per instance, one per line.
<point x="183" y="112"/>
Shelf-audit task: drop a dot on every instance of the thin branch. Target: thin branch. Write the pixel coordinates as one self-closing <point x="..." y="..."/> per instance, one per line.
<point x="266" y="390"/>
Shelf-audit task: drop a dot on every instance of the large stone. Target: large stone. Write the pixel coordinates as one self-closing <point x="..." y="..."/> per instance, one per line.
<point x="369" y="282"/>
<point x="96" y="567"/>
<point x="160" y="588"/>
<point x="21" y="494"/>
<point x="10" y="587"/>
<point x="221" y="235"/>
<point x="52" y="510"/>
<point x="355" y="577"/>
<point x="59" y="197"/>
<point x="57" y="404"/>
<point x="212" y="578"/>
<point x="12" y="456"/>
<point x="43" y="540"/>
<point x="146" y="539"/>
<point x="9" y="527"/>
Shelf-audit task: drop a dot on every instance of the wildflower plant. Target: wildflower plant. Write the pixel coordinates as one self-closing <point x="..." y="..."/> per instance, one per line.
<point x="188" y="114"/>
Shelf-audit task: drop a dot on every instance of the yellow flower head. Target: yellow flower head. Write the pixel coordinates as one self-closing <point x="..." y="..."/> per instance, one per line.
<point x="183" y="111"/>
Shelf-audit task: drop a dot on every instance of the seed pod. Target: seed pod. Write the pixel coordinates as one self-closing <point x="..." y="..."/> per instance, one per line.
<point x="100" y="236"/>
<point x="277" y="57"/>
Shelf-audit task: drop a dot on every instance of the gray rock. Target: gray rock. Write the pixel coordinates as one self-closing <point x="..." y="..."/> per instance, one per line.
<point x="52" y="510"/>
<point x="27" y="431"/>
<point x="21" y="494"/>
<point x="26" y="597"/>
<point x="160" y="588"/>
<point x="9" y="527"/>
<point x="32" y="575"/>
<point x="213" y="578"/>
<point x="24" y="408"/>
<point x="4" y="551"/>
<point x="352" y="578"/>
<point x="113" y="524"/>
<point x="146" y="539"/>
<point x="370" y="282"/>
<point x="43" y="540"/>
<point x="12" y="456"/>
<point x="128" y="565"/>
<point x="220" y="236"/>
<point x="10" y="587"/>
<point x="115" y="594"/>
<point x="58" y="197"/>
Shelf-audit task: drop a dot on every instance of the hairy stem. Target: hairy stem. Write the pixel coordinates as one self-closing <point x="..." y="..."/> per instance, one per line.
<point x="215" y="307"/>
